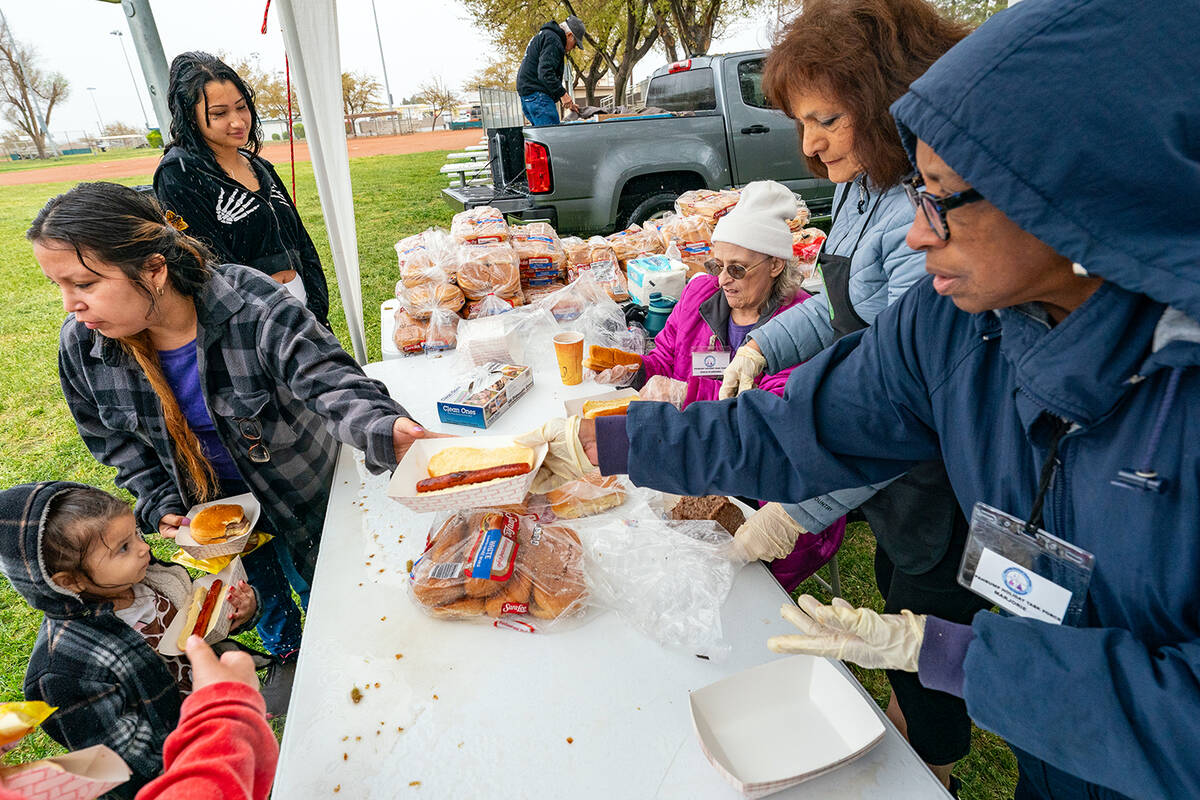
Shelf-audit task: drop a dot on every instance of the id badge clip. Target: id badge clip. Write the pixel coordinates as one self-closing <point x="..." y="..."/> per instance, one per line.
<point x="709" y="363"/>
<point x="1025" y="571"/>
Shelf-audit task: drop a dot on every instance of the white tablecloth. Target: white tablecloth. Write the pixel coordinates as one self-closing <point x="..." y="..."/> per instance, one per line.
<point x="455" y="710"/>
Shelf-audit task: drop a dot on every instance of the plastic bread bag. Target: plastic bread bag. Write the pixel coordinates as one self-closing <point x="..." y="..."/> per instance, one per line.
<point x="603" y="324"/>
<point x="590" y="495"/>
<point x="409" y="333"/>
<point x="519" y="336"/>
<point x="707" y="203"/>
<point x="442" y="332"/>
<point x="422" y="300"/>
<point x="540" y="255"/>
<point x="569" y="302"/>
<point x="502" y="569"/>
<point x="488" y="268"/>
<point x="693" y="236"/>
<point x="633" y="242"/>
<point x="806" y="245"/>
<point x="574" y="249"/>
<point x="480" y="225"/>
<point x="600" y="260"/>
<point x="664" y="389"/>
<point x="665" y="578"/>
<point x="803" y="215"/>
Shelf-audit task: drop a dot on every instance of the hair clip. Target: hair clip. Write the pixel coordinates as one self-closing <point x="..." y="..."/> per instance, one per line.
<point x="176" y="221"/>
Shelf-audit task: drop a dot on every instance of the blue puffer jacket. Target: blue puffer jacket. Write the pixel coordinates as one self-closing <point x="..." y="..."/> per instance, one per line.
<point x="882" y="268"/>
<point x="1115" y="701"/>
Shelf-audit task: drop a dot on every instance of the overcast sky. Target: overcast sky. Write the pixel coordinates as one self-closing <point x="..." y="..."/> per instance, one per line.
<point x="421" y="39"/>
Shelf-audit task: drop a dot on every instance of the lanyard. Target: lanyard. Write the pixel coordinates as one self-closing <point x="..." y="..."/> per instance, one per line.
<point x="1035" y="516"/>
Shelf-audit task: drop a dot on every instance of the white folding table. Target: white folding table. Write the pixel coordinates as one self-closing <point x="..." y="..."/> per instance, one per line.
<point x="457" y="710"/>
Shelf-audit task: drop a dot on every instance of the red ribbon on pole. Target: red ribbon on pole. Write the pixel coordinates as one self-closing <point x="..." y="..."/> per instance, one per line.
<point x="287" y="71"/>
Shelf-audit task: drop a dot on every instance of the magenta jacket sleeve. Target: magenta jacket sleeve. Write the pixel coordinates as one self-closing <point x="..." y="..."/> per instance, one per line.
<point x="776" y="381"/>
<point x="223" y="748"/>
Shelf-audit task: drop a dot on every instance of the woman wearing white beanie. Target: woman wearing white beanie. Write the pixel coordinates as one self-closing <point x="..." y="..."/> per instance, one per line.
<point x="752" y="277"/>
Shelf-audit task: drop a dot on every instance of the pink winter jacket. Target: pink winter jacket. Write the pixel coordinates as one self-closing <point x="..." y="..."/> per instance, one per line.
<point x="700" y="321"/>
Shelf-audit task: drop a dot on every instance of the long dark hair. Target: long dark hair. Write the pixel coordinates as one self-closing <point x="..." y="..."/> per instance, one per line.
<point x="190" y="72"/>
<point x="864" y="54"/>
<point x="75" y="522"/>
<point x="125" y="228"/>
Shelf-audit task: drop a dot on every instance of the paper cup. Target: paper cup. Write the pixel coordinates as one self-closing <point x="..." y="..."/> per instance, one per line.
<point x="568" y="347"/>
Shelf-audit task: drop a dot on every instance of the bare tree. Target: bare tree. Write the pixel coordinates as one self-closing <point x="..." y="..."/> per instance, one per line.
<point x="20" y="81"/>
<point x="358" y="92"/>
<point x="437" y="96"/>
<point x="500" y="73"/>
<point x="123" y="129"/>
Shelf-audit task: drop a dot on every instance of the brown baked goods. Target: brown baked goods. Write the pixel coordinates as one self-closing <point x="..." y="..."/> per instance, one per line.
<point x="712" y="506"/>
<point x="540" y="255"/>
<point x="602" y="358"/>
<point x="480" y="225"/>
<point x="693" y="236"/>
<point x="589" y="495"/>
<point x="409" y="333"/>
<point x="607" y="408"/>
<point x="598" y="258"/>
<point x="801" y="219"/>
<point x="488" y="269"/>
<point x="491" y="564"/>
<point x="218" y="522"/>
<point x="707" y="203"/>
<point x="420" y="301"/>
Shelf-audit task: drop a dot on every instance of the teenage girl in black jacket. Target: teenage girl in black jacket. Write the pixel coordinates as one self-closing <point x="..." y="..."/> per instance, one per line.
<point x="231" y="198"/>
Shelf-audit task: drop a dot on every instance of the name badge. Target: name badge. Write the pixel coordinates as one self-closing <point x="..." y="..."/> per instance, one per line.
<point x="709" y="363"/>
<point x="1018" y="589"/>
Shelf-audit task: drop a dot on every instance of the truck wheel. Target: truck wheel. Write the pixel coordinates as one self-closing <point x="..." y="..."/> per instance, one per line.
<point x="650" y="207"/>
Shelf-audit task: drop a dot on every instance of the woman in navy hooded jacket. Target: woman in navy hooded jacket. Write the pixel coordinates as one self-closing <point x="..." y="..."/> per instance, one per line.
<point x="1006" y="350"/>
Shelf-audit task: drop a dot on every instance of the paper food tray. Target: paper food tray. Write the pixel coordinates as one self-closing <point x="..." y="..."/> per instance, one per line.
<point x="415" y="467"/>
<point x="228" y="547"/>
<point x="233" y="573"/>
<point x="82" y="775"/>
<point x="574" y="406"/>
<point x="771" y="727"/>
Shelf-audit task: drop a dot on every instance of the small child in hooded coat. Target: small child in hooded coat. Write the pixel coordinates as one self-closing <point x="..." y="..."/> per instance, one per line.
<point x="74" y="553"/>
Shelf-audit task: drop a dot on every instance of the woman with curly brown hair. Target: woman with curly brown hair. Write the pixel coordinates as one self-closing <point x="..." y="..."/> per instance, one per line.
<point x="835" y="70"/>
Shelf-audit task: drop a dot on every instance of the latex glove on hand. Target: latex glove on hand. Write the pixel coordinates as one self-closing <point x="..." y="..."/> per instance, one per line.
<point x="871" y="640"/>
<point x="770" y="533"/>
<point x="665" y="390"/>
<point x="620" y="375"/>
<point x="747" y="364"/>
<point x="565" y="459"/>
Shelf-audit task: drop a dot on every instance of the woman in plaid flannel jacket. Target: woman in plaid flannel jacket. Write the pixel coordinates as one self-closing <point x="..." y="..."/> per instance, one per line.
<point x="278" y="386"/>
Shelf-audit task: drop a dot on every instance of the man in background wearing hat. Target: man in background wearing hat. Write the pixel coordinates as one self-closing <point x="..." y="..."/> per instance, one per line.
<point x="540" y="78"/>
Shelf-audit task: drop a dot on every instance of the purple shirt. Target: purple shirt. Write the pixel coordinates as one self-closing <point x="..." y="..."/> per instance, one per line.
<point x="737" y="334"/>
<point x="183" y="374"/>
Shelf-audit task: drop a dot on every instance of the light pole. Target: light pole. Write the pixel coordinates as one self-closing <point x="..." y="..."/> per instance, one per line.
<point x="121" y="38"/>
<point x="99" y="119"/>
<point x="386" y="86"/>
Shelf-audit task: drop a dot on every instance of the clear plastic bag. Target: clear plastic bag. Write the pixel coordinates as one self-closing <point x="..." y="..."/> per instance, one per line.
<point x="598" y="258"/>
<point x="539" y="254"/>
<point x="568" y="303"/>
<point x="707" y="203"/>
<point x="480" y="225"/>
<point x="667" y="579"/>
<point x="693" y="236"/>
<point x="409" y="333"/>
<point x="423" y="299"/>
<point x="497" y="567"/>
<point x="489" y="269"/>
<point x="802" y="215"/>
<point x="633" y="242"/>
<point x="590" y="495"/>
<point x="442" y="332"/>
<point x="489" y="305"/>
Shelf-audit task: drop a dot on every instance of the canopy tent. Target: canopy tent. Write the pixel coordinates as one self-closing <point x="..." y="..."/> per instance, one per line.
<point x="310" y="35"/>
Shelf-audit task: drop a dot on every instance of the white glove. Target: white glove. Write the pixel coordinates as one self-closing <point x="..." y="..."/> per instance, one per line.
<point x="565" y="459"/>
<point x="747" y="364"/>
<point x="874" y="641"/>
<point x="769" y="534"/>
<point x="620" y="375"/>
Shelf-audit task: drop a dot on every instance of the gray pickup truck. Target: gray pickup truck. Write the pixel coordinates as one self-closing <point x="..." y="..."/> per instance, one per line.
<point x="598" y="177"/>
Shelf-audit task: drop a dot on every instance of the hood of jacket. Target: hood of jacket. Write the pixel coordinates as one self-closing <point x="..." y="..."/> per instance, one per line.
<point x="181" y="158"/>
<point x="1079" y="120"/>
<point x="22" y="517"/>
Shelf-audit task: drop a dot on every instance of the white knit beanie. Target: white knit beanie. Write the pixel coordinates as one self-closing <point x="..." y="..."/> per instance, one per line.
<point x="759" y="221"/>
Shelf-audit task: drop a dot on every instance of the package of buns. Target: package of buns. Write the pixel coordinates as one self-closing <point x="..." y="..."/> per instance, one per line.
<point x="480" y="225"/>
<point x="422" y="300"/>
<point x="803" y="215"/>
<point x="409" y="333"/>
<point x="598" y="258"/>
<point x="540" y="255"/>
<point x="442" y="331"/>
<point x="498" y="567"/>
<point x="491" y="304"/>
<point x="574" y="249"/>
<point x="633" y="242"/>
<point x="592" y="494"/>
<point x="568" y="303"/>
<point x="709" y="204"/>
<point x="426" y="256"/>
<point x="488" y="269"/>
<point x="693" y="236"/>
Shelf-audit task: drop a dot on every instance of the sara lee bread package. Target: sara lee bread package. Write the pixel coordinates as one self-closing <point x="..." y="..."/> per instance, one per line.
<point x="497" y="567"/>
<point x="489" y="269"/>
<point x="421" y="301"/>
<point x="693" y="236"/>
<point x="482" y="225"/>
<point x="707" y="203"/>
<point x="540" y="255"/>
<point x="633" y="242"/>
<point x="426" y="257"/>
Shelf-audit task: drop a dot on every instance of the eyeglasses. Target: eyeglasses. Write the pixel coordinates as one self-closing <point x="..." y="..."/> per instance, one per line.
<point x="736" y="271"/>
<point x="934" y="208"/>
<point x="251" y="431"/>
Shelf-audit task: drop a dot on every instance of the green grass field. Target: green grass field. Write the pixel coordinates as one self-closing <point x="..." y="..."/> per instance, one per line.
<point x="394" y="196"/>
<point x="119" y="154"/>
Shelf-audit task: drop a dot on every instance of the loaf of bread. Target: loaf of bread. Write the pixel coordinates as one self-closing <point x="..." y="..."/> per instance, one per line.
<point x="707" y="203"/>
<point x="488" y="269"/>
<point x="420" y="301"/>
<point x="409" y="333"/>
<point x="693" y="236"/>
<point x="490" y="564"/>
<point x="480" y="225"/>
<point x="589" y="495"/>
<point x="712" y="506"/>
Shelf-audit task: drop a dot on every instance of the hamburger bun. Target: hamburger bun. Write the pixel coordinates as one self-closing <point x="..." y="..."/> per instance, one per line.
<point x="589" y="495"/>
<point x="219" y="522"/>
<point x="607" y="408"/>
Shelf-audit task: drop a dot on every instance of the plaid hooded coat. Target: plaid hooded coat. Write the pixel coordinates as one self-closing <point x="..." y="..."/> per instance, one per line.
<point x="263" y="358"/>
